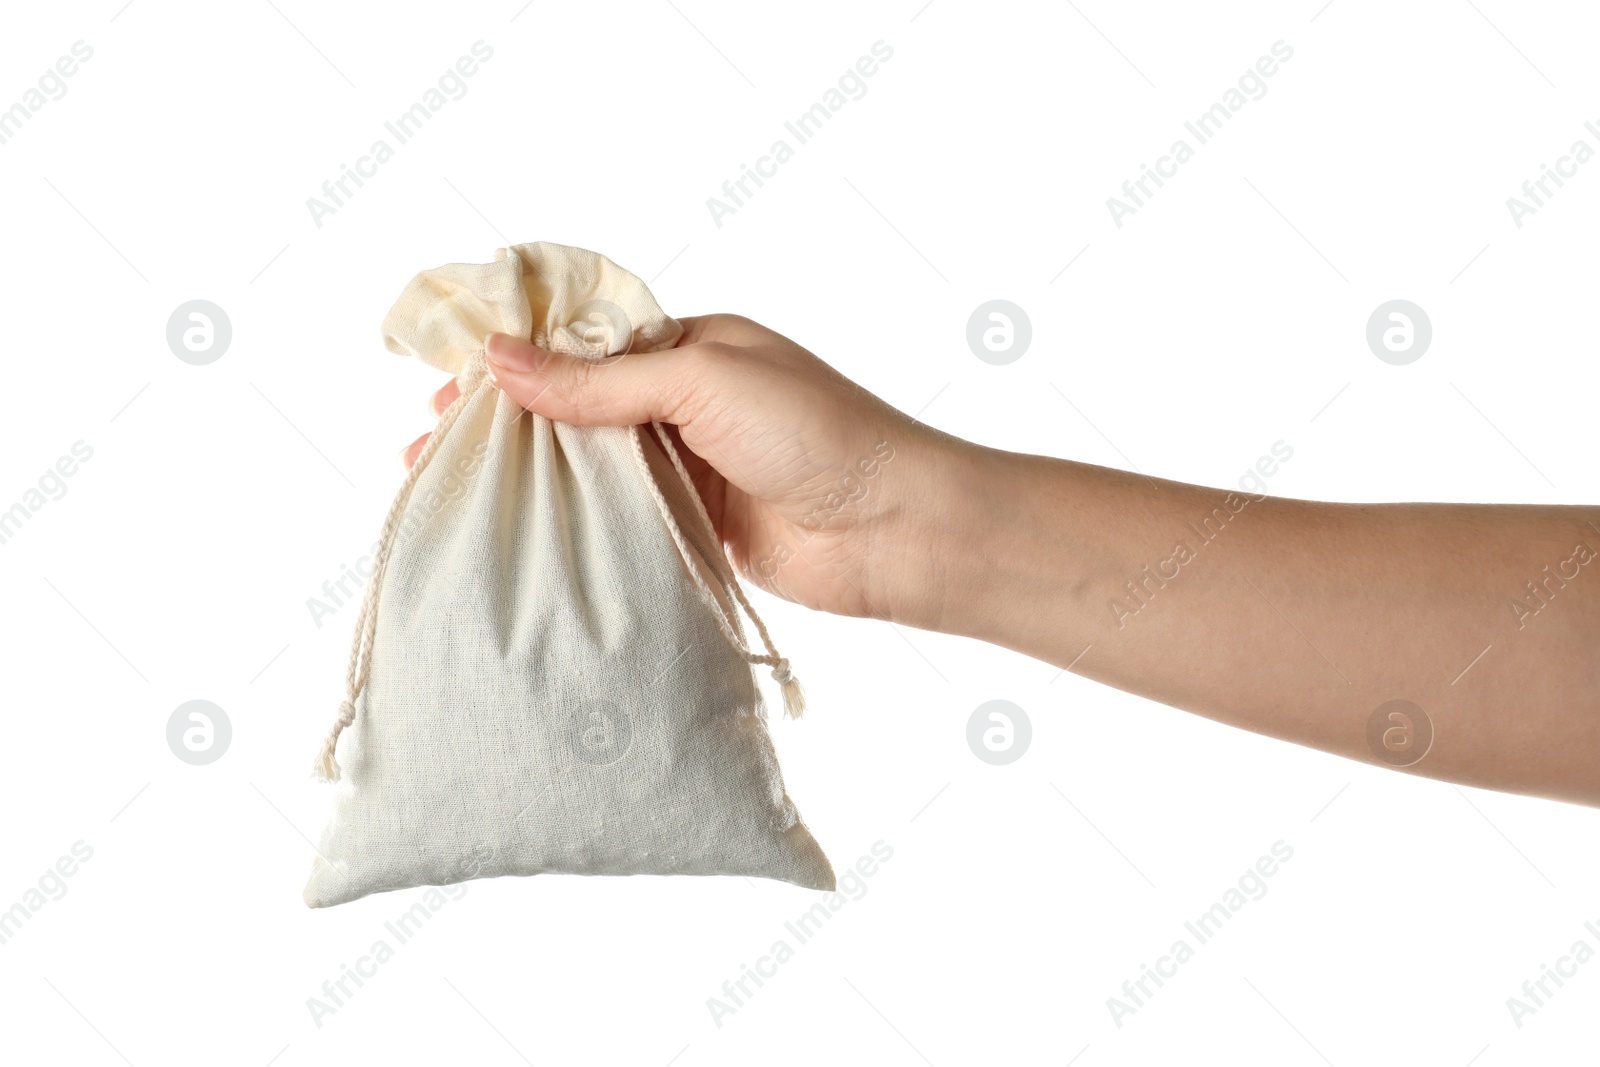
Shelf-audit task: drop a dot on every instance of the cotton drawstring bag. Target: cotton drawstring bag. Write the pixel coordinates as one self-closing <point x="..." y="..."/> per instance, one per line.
<point x="549" y="673"/>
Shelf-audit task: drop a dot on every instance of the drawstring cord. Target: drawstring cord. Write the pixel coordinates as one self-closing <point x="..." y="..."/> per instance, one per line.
<point x="794" y="698"/>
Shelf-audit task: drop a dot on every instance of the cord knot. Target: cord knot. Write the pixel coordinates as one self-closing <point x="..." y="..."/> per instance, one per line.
<point x="794" y="698"/>
<point x="327" y="767"/>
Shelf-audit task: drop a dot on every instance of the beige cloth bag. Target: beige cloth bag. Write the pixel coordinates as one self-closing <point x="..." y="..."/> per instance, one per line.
<point x="549" y="673"/>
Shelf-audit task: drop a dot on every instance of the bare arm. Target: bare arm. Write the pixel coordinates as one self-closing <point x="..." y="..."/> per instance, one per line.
<point x="1299" y="619"/>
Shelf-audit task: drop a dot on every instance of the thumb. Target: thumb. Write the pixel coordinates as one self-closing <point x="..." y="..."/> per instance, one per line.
<point x="623" y="391"/>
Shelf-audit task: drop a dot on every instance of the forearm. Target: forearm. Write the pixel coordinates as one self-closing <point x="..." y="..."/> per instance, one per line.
<point x="1297" y="619"/>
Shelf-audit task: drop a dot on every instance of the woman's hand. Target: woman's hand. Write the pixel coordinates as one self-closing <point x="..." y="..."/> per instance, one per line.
<point x="822" y="493"/>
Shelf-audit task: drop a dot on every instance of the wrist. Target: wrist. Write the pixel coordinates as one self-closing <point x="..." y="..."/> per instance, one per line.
<point x="977" y="551"/>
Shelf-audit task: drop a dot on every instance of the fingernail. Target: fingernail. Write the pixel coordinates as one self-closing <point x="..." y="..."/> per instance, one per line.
<point x="513" y="356"/>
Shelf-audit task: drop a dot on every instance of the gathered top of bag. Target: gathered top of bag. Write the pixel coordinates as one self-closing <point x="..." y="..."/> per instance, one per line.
<point x="548" y="293"/>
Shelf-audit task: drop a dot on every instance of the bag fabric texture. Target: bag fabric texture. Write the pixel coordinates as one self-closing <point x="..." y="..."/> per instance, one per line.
<point x="549" y="673"/>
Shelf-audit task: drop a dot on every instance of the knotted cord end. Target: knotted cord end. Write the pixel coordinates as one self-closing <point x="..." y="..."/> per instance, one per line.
<point x="327" y="768"/>
<point x="794" y="697"/>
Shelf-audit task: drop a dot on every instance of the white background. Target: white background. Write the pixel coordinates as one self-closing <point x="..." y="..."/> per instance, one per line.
<point x="1226" y="315"/>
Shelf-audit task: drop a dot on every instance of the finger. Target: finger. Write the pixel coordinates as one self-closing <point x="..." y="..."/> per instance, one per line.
<point x="641" y="387"/>
<point x="445" y="397"/>
<point x="409" y="454"/>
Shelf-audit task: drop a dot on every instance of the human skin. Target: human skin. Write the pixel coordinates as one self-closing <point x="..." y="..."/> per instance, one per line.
<point x="1297" y="621"/>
